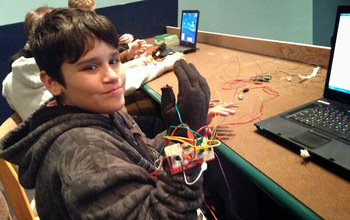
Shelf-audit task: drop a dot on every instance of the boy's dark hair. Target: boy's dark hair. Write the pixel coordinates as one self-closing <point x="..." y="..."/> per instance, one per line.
<point x="65" y="35"/>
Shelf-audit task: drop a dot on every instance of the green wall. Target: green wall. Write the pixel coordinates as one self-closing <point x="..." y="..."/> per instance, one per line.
<point x="324" y="12"/>
<point x="14" y="11"/>
<point x="300" y="21"/>
<point x="269" y="19"/>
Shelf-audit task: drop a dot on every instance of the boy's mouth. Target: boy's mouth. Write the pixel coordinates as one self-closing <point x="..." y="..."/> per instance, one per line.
<point x="115" y="89"/>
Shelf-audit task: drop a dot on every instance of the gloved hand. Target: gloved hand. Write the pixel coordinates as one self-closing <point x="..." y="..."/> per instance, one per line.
<point x="192" y="100"/>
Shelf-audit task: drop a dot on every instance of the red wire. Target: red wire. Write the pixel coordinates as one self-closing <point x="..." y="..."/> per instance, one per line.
<point x="206" y="204"/>
<point x="156" y="171"/>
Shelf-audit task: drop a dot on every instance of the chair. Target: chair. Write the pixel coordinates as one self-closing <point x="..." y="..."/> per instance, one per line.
<point x="15" y="193"/>
<point x="10" y="124"/>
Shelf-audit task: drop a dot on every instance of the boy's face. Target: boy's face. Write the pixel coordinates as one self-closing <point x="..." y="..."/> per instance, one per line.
<point x="96" y="82"/>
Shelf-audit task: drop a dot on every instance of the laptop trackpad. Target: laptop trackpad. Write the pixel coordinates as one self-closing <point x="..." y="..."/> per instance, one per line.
<point x="310" y="139"/>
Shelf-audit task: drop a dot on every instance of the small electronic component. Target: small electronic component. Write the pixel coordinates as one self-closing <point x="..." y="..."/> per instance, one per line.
<point x="304" y="153"/>
<point x="261" y="78"/>
<point x="240" y="94"/>
<point x="182" y="157"/>
<point x="158" y="52"/>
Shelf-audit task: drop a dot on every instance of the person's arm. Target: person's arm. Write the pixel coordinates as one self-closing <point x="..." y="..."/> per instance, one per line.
<point x="136" y="48"/>
<point x="123" y="57"/>
<point x="140" y="61"/>
<point x="137" y="76"/>
<point x="220" y="110"/>
<point x="126" y="39"/>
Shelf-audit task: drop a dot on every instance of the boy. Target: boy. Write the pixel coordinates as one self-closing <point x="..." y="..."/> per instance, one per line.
<point x="85" y="157"/>
<point x="24" y="91"/>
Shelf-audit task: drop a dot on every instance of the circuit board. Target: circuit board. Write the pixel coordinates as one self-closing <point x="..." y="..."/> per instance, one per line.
<point x="182" y="157"/>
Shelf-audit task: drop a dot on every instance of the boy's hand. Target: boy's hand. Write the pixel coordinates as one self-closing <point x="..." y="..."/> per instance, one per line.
<point x="192" y="100"/>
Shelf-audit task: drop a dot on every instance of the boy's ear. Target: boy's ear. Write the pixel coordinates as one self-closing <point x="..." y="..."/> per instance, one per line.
<point x="52" y="85"/>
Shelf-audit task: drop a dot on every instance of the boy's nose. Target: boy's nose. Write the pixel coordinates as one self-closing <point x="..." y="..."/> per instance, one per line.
<point x="111" y="74"/>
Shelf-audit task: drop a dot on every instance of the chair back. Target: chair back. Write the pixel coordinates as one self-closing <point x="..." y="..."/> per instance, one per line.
<point x="15" y="193"/>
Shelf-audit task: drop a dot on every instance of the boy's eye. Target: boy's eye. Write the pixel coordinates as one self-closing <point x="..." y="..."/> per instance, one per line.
<point x="114" y="61"/>
<point x="90" y="67"/>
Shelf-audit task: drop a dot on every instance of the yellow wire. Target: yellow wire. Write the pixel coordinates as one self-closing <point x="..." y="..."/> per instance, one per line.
<point x="183" y="140"/>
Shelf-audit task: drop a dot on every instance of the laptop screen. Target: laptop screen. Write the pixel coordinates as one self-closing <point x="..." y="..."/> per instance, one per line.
<point x="338" y="77"/>
<point x="189" y="27"/>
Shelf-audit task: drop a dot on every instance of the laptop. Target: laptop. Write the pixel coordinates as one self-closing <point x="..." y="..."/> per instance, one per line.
<point x="322" y="127"/>
<point x="188" y="34"/>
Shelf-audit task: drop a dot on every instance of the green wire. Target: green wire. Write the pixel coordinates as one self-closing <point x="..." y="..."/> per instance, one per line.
<point x="183" y="126"/>
<point x="178" y="113"/>
<point x="199" y="140"/>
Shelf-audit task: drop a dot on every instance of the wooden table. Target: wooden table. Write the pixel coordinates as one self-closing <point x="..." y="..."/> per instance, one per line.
<point x="307" y="189"/>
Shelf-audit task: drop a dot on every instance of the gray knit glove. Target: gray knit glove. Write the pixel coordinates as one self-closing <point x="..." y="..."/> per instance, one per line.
<point x="192" y="100"/>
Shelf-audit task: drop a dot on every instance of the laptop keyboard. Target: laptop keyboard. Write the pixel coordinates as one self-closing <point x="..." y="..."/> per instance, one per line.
<point x="331" y="119"/>
<point x="179" y="48"/>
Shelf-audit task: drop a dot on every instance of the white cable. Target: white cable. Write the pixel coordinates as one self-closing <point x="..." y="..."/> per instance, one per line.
<point x="313" y="74"/>
<point x="204" y="167"/>
<point x="158" y="162"/>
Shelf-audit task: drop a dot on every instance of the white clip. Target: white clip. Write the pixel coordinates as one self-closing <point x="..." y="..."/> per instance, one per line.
<point x="304" y="153"/>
